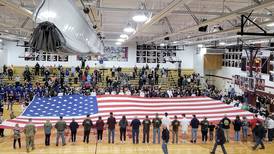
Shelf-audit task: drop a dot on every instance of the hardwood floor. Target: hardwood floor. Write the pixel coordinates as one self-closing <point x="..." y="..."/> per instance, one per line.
<point x="129" y="148"/>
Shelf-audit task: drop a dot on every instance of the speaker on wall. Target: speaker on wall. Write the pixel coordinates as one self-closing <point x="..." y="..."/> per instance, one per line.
<point x="264" y="65"/>
<point x="243" y="64"/>
<point x="272" y="46"/>
<point x="203" y="28"/>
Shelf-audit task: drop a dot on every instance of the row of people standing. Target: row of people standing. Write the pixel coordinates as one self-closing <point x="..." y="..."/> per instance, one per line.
<point x="156" y="122"/>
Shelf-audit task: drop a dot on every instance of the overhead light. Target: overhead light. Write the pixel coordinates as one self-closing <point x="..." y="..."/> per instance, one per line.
<point x="175" y="42"/>
<point x="118" y="43"/>
<point x="270" y="24"/>
<point x="1" y="40"/>
<point x="121" y="40"/>
<point x="140" y="18"/>
<point x="200" y="45"/>
<point x="222" y="43"/>
<point x="129" y="29"/>
<point x="124" y="36"/>
<point x="47" y="14"/>
<point x="162" y="44"/>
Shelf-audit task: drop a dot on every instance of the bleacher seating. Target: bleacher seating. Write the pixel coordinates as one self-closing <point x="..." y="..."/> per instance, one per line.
<point x="171" y="80"/>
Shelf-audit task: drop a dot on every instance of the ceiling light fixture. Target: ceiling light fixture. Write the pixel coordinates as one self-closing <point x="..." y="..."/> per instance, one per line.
<point x="129" y="29"/>
<point x="1" y="40"/>
<point x="121" y="40"/>
<point x="175" y="42"/>
<point x="140" y="18"/>
<point x="162" y="44"/>
<point x="222" y="43"/>
<point x="124" y="36"/>
<point x="200" y="45"/>
<point x="118" y="43"/>
<point x="270" y="24"/>
<point x="47" y="14"/>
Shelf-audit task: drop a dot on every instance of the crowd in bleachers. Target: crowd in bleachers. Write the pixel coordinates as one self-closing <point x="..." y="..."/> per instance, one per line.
<point x="56" y="80"/>
<point x="241" y="101"/>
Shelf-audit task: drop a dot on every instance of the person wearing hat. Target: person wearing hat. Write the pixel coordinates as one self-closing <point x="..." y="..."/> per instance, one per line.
<point x="166" y="121"/>
<point x="219" y="139"/>
<point x="29" y="132"/>
<point x="17" y="136"/>
<point x="259" y="133"/>
<point x="61" y="127"/>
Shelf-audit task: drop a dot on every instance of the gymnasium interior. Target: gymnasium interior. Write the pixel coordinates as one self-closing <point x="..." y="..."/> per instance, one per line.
<point x="203" y="69"/>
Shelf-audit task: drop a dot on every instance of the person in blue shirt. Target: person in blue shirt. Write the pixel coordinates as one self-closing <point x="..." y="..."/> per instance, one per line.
<point x="89" y="78"/>
<point x="67" y="71"/>
<point x="2" y="93"/>
<point x="135" y="124"/>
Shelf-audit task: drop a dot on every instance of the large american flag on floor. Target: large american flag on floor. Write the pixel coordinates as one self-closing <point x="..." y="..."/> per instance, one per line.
<point x="78" y="106"/>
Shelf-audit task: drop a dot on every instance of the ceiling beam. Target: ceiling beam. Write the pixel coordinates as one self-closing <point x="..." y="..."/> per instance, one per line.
<point x="256" y="7"/>
<point x="25" y="22"/>
<point x="158" y="16"/>
<point x="16" y="8"/>
<point x="257" y="1"/>
<point x="231" y="30"/>
<point x="192" y="14"/>
<point x="175" y="12"/>
<point x="5" y="25"/>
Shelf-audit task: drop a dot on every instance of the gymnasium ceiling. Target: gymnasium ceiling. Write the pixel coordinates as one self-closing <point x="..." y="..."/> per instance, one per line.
<point x="177" y="19"/>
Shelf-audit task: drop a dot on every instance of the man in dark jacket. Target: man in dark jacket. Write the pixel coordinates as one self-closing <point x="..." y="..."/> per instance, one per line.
<point x="259" y="133"/>
<point x="37" y="69"/>
<point x="220" y="139"/>
<point x="165" y="138"/>
<point x="175" y="128"/>
<point x="87" y="123"/>
<point x="146" y="128"/>
<point x="237" y="127"/>
<point x="111" y="122"/>
<point x="194" y="123"/>
<point x="156" y="128"/>
<point x="204" y="129"/>
<point x="226" y="126"/>
<point x="73" y="129"/>
<point x="135" y="124"/>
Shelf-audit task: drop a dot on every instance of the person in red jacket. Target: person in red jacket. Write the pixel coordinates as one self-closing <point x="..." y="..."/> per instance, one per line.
<point x="252" y="123"/>
<point x="100" y="127"/>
